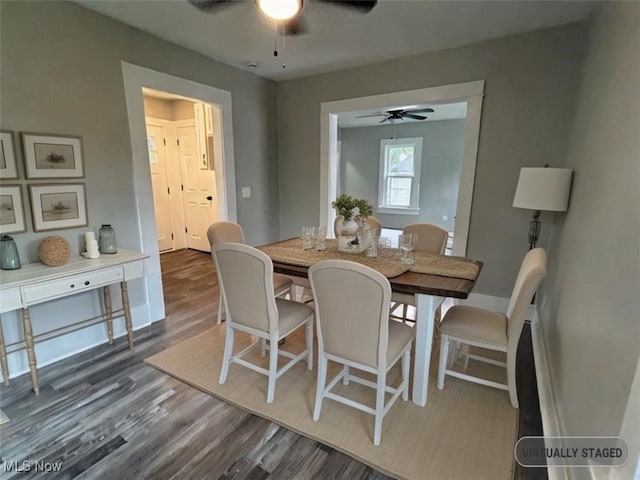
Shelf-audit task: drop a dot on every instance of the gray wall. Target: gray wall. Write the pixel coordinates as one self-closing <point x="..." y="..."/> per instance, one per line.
<point x="442" y="148"/>
<point x="530" y="83"/>
<point x="61" y="73"/>
<point x="589" y="304"/>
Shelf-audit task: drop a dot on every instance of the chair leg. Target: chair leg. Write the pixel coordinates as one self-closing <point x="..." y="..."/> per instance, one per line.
<point x="405" y="308"/>
<point x="380" y="388"/>
<point x="511" y="383"/>
<point x="309" y="341"/>
<point x="263" y="347"/>
<point x="220" y="310"/>
<point x="442" y="365"/>
<point x="406" y="363"/>
<point x="228" y="353"/>
<point x="345" y="376"/>
<point x="273" y="368"/>
<point x="322" y="379"/>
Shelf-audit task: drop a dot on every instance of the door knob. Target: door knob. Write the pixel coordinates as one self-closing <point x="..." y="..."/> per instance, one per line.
<point x="209" y="198"/>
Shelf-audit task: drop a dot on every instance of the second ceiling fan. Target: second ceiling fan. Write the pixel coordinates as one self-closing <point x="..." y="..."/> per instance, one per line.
<point x="399" y="114"/>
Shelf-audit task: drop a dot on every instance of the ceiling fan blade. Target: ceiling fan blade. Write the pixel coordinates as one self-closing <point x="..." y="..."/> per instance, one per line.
<point x="415" y="117"/>
<point x="210" y="6"/>
<point x="421" y="110"/>
<point x="373" y="115"/>
<point x="360" y="6"/>
<point x="296" y="26"/>
<point x="383" y="120"/>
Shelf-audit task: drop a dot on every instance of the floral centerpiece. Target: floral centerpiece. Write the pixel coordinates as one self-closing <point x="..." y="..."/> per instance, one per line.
<point x="352" y="215"/>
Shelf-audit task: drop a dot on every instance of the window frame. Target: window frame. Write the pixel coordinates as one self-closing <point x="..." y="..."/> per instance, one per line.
<point x="385" y="145"/>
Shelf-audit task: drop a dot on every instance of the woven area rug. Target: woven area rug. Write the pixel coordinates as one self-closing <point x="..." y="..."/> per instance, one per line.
<point x="465" y="431"/>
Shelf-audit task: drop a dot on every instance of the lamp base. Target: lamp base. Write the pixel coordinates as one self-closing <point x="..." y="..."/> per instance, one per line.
<point x="534" y="229"/>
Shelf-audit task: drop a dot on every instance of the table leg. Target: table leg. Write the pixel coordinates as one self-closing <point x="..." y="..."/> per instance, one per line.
<point x="127" y="312"/>
<point x="3" y="356"/>
<point x="106" y="293"/>
<point x="426" y="308"/>
<point x="31" y="353"/>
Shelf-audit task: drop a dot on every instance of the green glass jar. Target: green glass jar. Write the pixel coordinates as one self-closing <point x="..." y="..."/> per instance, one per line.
<point x="107" y="239"/>
<point x="9" y="254"/>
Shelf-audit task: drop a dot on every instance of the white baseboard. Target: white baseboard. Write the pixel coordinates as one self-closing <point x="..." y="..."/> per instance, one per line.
<point x="551" y="420"/>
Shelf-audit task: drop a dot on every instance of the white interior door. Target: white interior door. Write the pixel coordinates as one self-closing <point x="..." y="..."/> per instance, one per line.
<point x="156" y="141"/>
<point x="199" y="192"/>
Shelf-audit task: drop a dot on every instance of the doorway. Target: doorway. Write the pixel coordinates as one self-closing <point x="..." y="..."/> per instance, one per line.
<point x="470" y="93"/>
<point x="181" y="135"/>
<point x="135" y="78"/>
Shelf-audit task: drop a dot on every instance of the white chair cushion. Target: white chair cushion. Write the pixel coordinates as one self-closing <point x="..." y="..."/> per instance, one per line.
<point x="399" y="335"/>
<point x="281" y="282"/>
<point x="291" y="314"/>
<point x="405" y="298"/>
<point x="472" y="323"/>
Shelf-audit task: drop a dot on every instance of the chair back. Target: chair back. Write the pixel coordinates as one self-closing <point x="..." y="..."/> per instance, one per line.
<point x="532" y="271"/>
<point x="375" y="225"/>
<point x="245" y="275"/>
<point x="352" y="311"/>
<point x="430" y="237"/>
<point x="224" y="232"/>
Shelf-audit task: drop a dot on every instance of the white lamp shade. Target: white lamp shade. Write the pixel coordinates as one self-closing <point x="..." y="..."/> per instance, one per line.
<point x="543" y="189"/>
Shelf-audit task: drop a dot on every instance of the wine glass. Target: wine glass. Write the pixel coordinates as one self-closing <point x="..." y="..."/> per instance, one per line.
<point x="407" y="242"/>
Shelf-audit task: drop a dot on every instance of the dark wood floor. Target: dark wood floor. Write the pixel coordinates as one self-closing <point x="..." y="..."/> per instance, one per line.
<point x="105" y="414"/>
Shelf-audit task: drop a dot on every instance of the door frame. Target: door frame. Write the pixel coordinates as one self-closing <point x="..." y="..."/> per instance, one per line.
<point x="469" y="92"/>
<point x="134" y="79"/>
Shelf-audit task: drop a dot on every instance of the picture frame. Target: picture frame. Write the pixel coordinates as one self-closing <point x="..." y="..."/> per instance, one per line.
<point x="8" y="164"/>
<point x="52" y="156"/>
<point x="11" y="210"/>
<point x="58" y="206"/>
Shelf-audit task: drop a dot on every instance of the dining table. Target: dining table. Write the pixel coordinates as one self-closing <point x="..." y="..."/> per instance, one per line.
<point x="431" y="278"/>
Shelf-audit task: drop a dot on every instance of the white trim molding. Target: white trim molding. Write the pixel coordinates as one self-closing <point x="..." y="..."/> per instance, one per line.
<point x="469" y="92"/>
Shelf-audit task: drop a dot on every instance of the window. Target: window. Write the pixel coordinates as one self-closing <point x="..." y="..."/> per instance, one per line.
<point x="399" y="186"/>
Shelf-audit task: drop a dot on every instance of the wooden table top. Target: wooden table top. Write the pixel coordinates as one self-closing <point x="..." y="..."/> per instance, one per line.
<point x="408" y="282"/>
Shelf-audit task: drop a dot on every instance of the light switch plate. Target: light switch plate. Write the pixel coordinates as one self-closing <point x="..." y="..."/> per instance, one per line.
<point x="246" y="192"/>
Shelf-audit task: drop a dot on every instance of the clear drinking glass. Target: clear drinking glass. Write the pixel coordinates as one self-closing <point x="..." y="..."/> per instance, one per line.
<point x="407" y="243"/>
<point x="320" y="237"/>
<point x="307" y="238"/>
<point x="372" y="247"/>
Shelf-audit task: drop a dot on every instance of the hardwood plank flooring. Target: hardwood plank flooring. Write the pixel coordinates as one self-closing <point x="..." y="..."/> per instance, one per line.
<point x="105" y="414"/>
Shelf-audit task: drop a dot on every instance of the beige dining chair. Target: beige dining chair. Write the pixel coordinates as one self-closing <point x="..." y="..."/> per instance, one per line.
<point x="246" y="281"/>
<point x="478" y="327"/>
<point x="429" y="238"/>
<point x="375" y="225"/>
<point x="224" y="232"/>
<point x="353" y="329"/>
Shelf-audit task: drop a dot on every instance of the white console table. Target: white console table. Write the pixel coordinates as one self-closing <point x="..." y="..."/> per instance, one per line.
<point x="37" y="283"/>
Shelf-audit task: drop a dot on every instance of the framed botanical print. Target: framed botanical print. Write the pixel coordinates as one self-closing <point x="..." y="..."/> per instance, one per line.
<point x="57" y="206"/>
<point x="49" y="156"/>
<point x="8" y="165"/>
<point x="11" y="209"/>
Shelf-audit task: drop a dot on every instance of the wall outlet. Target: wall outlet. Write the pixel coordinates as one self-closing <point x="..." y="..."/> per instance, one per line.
<point x="445" y="217"/>
<point x="246" y="192"/>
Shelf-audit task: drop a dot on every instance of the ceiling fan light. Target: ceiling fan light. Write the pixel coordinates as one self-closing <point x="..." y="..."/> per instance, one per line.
<point x="280" y="9"/>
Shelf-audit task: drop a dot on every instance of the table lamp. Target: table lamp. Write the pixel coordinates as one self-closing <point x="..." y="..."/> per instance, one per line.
<point x="542" y="189"/>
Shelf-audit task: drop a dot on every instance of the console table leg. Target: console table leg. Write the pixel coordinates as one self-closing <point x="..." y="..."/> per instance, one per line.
<point x="31" y="353"/>
<point x="127" y="312"/>
<point x="109" y="311"/>
<point x="3" y="356"/>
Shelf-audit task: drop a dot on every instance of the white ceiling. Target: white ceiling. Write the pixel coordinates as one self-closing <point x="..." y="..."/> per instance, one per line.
<point x="338" y="37"/>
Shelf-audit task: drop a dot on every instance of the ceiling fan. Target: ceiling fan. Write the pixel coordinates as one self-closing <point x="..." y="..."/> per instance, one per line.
<point x="399" y="114"/>
<point x="287" y="13"/>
